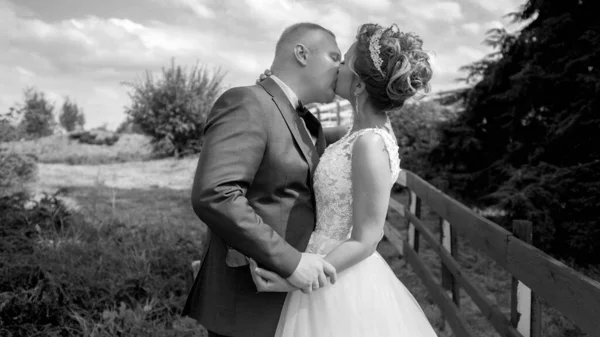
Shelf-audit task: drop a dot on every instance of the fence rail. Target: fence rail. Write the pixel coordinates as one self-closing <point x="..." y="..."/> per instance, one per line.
<point x="535" y="274"/>
<point x="333" y="114"/>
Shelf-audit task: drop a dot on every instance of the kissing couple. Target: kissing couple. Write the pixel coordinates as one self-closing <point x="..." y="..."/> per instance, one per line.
<point x="294" y="222"/>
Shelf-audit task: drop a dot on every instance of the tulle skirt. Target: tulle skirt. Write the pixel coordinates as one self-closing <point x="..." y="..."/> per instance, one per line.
<point x="367" y="300"/>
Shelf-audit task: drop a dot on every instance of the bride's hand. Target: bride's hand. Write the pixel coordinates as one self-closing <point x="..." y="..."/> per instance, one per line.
<point x="268" y="281"/>
<point x="264" y="75"/>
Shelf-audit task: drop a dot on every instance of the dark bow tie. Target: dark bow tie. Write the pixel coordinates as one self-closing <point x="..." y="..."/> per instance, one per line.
<point x="301" y="109"/>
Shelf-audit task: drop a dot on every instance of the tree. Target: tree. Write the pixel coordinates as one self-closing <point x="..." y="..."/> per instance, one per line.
<point x="527" y="139"/>
<point x="71" y="116"/>
<point x="172" y="110"/>
<point x="37" y="114"/>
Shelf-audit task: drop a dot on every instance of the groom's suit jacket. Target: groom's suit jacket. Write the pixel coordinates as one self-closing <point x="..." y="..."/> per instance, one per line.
<point x="253" y="190"/>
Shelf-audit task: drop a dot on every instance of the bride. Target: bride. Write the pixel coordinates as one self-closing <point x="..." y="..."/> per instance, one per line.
<point x="353" y="179"/>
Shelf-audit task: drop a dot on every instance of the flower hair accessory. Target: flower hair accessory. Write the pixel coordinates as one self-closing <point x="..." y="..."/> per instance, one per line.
<point x="375" y="53"/>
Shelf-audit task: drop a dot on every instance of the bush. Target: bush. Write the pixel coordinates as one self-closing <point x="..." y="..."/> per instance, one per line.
<point x="129" y="127"/>
<point x="8" y="132"/>
<point x="416" y="128"/>
<point x="71" y="116"/>
<point x="37" y="114"/>
<point x="95" y="137"/>
<point x="173" y="110"/>
<point x="63" y="276"/>
<point x="17" y="171"/>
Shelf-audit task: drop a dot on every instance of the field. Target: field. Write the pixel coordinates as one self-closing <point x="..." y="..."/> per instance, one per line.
<point x="61" y="149"/>
<point x="123" y="267"/>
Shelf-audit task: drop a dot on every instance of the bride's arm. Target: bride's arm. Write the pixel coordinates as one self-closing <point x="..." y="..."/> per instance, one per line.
<point x="371" y="177"/>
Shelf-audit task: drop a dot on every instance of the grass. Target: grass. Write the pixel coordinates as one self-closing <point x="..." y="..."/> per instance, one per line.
<point x="166" y="173"/>
<point x="486" y="273"/>
<point x="120" y="266"/>
<point x="61" y="149"/>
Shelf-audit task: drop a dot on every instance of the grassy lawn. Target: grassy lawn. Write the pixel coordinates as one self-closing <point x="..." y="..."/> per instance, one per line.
<point x="61" y="149"/>
<point x="120" y="265"/>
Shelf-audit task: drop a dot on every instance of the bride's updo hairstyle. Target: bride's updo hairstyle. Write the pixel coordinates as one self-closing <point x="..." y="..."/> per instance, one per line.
<point x="392" y="64"/>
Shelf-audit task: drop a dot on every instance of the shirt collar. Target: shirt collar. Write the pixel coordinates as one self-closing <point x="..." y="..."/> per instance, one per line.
<point x="289" y="93"/>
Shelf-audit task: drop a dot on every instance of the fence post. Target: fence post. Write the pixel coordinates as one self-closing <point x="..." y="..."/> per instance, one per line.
<point x="448" y="240"/>
<point x="339" y="120"/>
<point x="525" y="313"/>
<point x="415" y="208"/>
<point x="318" y="114"/>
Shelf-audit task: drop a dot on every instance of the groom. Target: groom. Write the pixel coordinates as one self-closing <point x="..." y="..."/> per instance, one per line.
<point x="253" y="186"/>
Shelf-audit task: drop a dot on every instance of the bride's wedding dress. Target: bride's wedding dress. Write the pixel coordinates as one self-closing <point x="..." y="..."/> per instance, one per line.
<point x="367" y="299"/>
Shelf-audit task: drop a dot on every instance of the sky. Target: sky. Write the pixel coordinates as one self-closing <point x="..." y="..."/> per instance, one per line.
<point x="86" y="49"/>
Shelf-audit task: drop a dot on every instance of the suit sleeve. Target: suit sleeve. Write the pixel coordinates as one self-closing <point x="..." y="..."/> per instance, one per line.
<point x="235" y="139"/>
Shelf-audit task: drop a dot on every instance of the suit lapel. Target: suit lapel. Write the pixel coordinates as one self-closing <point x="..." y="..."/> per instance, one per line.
<point x="294" y="123"/>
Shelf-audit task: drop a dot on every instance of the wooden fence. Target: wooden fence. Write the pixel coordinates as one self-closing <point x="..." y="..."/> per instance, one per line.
<point x="535" y="274"/>
<point x="333" y="114"/>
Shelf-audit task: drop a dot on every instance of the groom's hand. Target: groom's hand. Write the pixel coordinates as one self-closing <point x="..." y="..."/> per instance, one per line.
<point x="311" y="273"/>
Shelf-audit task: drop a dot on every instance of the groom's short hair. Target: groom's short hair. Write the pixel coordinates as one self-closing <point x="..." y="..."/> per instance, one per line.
<point x="293" y="32"/>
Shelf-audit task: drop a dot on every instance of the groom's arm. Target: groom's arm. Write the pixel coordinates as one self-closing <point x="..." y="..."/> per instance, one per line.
<point x="235" y="139"/>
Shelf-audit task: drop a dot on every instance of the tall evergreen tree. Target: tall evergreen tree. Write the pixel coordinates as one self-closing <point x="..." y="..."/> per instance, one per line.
<point x="527" y="141"/>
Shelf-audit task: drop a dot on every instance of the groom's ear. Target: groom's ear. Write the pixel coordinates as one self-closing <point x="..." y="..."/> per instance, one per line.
<point x="301" y="54"/>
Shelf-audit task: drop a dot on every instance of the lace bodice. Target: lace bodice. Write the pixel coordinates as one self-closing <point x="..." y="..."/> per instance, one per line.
<point x="333" y="189"/>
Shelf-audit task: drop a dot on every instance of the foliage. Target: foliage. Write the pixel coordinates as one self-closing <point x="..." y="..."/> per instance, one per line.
<point x="129" y="127"/>
<point x="173" y="109"/>
<point x="526" y="141"/>
<point x="95" y="137"/>
<point x="17" y="170"/>
<point x="37" y="117"/>
<point x="8" y="131"/>
<point x="415" y="127"/>
<point x="71" y="116"/>
<point x="60" y="149"/>
<point x="62" y="275"/>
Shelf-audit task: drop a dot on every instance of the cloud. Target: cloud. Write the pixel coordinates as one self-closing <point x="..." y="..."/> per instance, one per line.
<point x="86" y="56"/>
<point x="97" y="47"/>
<point x="471" y="27"/>
<point x="24" y="72"/>
<point x="372" y="5"/>
<point x="500" y="7"/>
<point x="470" y="54"/>
<point x="480" y="28"/>
<point x="197" y="7"/>
<point x="446" y="11"/>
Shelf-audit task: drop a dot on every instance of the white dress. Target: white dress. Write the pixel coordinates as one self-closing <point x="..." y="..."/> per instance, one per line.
<point x="367" y="299"/>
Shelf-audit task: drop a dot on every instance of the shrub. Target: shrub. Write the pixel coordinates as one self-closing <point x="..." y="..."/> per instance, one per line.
<point x="71" y="116"/>
<point x="416" y="129"/>
<point x="8" y="132"/>
<point x="37" y="114"/>
<point x="129" y="127"/>
<point x="63" y="276"/>
<point x="95" y="137"/>
<point x="16" y="172"/>
<point x="173" y="109"/>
